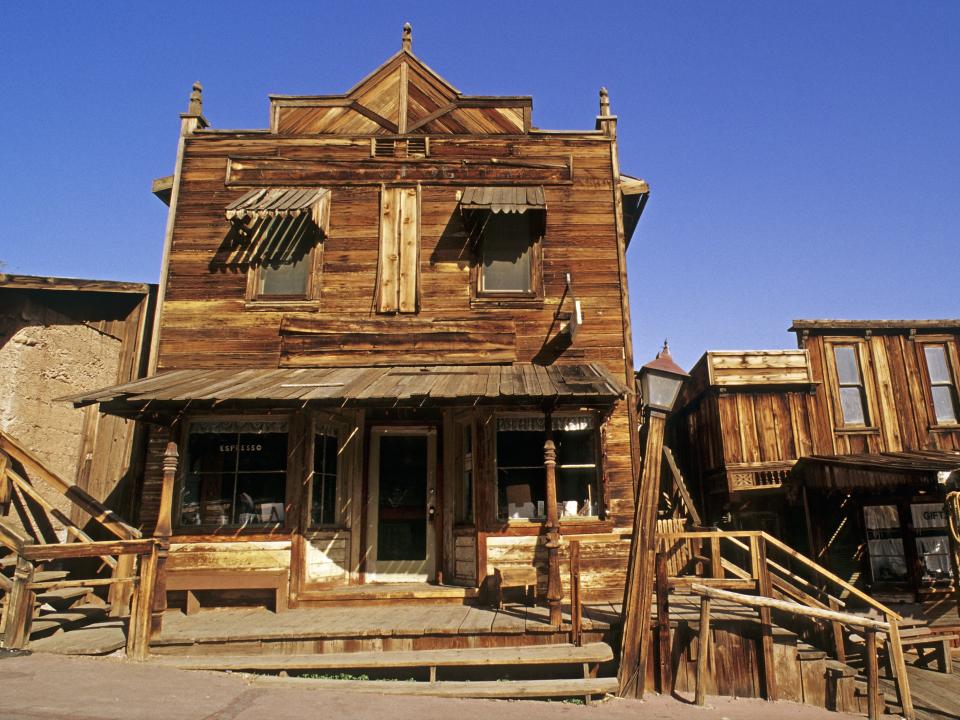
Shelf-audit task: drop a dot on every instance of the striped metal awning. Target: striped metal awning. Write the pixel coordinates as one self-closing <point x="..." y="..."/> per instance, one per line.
<point x="277" y="225"/>
<point x="587" y="384"/>
<point x="282" y="202"/>
<point x="503" y="199"/>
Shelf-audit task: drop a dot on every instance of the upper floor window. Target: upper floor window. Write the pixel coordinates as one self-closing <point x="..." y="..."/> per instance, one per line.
<point x="943" y="389"/>
<point x="506" y="255"/>
<point x="276" y="233"/>
<point x="506" y="225"/>
<point x="853" y="398"/>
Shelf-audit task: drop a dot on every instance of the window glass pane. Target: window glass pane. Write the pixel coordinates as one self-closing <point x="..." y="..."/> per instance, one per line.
<point x="937" y="364"/>
<point x="934" y="554"/>
<point x="577" y="491"/>
<point x="233" y="478"/>
<point x="324" y="494"/>
<point x="851" y="402"/>
<point x="928" y="515"/>
<point x="944" y="405"/>
<point x="848" y="371"/>
<point x="517" y="448"/>
<point x="285" y="278"/>
<point x="575" y="447"/>
<point x="521" y="493"/>
<point x="506" y="253"/>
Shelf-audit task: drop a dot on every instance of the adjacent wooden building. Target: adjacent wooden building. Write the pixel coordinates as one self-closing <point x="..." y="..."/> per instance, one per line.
<point x="393" y="348"/>
<point x="844" y="446"/>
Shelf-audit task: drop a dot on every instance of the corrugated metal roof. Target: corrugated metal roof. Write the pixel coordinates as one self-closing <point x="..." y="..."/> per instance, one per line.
<point x="420" y="385"/>
<point x="503" y="199"/>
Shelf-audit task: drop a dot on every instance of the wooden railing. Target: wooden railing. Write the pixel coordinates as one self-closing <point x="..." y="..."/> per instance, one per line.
<point x="721" y="561"/>
<point x="27" y="486"/>
<point x="869" y="626"/>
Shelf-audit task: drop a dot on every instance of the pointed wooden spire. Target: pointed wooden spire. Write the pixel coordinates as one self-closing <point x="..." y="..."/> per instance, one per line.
<point x="407" y="39"/>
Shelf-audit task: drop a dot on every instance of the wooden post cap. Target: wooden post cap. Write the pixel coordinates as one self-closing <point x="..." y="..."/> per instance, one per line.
<point x="604" y="101"/>
<point x="196" y="100"/>
<point x="407" y="38"/>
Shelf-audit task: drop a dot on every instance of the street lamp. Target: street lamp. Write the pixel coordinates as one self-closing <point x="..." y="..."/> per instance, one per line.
<point x="660" y="383"/>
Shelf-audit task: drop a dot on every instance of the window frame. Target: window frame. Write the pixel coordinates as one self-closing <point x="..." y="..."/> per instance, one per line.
<point x="179" y="528"/>
<point x="597" y="437"/>
<point x="338" y="432"/>
<point x="465" y="461"/>
<point x="507" y="298"/>
<point x="952" y="362"/>
<point x="311" y="294"/>
<point x="866" y="385"/>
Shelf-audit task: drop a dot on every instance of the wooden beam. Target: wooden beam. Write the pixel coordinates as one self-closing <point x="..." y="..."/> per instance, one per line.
<point x="681" y="486"/>
<point x="86" y="502"/>
<point x="703" y="650"/>
<point x="899" y="665"/>
<point x="635" y="645"/>
<point x="873" y="687"/>
<point x="759" y="554"/>
<point x="576" y="608"/>
<point x="65" y="551"/>
<point x="795" y="608"/>
<point x="19" y="613"/>
<point x="139" y="628"/>
<point x="664" y="653"/>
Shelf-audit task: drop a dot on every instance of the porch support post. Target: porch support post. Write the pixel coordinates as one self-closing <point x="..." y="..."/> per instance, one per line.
<point x="638" y="596"/>
<point x="162" y="533"/>
<point x="552" y="538"/>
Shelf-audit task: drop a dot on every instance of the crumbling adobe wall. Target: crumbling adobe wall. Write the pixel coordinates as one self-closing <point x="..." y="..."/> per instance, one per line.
<point x="45" y="355"/>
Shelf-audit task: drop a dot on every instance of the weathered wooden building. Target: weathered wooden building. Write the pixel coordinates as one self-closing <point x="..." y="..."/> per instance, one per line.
<point x="393" y="348"/>
<point x="843" y="446"/>
<point x="57" y="336"/>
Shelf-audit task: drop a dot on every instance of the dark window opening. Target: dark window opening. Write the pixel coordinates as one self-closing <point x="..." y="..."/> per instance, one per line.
<point x="521" y="475"/>
<point x="236" y="475"/>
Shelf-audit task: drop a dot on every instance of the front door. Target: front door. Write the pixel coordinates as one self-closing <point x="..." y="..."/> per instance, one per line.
<point x="401" y="544"/>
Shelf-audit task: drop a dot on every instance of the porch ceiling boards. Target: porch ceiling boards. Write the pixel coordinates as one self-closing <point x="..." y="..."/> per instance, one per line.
<point x="422" y="385"/>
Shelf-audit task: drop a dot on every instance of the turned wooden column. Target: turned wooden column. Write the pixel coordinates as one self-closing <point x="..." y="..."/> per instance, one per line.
<point x="551" y="535"/>
<point x="162" y="533"/>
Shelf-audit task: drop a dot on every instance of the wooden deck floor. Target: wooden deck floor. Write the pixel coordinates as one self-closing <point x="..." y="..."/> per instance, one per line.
<point x="393" y="620"/>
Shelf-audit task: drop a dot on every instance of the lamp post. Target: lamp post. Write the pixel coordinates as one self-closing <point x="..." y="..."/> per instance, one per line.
<point x="660" y="383"/>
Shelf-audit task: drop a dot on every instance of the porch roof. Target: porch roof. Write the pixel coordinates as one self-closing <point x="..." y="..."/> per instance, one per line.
<point x="583" y="384"/>
<point x="875" y="471"/>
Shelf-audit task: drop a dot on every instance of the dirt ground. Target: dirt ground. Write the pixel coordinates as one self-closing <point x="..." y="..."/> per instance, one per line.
<point x="44" y="687"/>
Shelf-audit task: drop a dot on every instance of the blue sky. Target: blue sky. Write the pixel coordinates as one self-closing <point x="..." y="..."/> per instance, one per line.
<point x="803" y="157"/>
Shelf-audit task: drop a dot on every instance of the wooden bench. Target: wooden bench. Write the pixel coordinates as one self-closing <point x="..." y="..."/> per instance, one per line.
<point x="929" y="647"/>
<point x="211" y="579"/>
<point x="524" y="577"/>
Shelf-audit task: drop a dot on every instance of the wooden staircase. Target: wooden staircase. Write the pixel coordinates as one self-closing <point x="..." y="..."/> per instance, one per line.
<point x="54" y="577"/>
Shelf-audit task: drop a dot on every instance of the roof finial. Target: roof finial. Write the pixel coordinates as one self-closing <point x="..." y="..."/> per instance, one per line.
<point x="407" y="37"/>
<point x="604" y="101"/>
<point x="665" y="352"/>
<point x="196" y="100"/>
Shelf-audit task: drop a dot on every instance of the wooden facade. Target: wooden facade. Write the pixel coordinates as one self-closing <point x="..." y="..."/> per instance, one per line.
<point x="394" y="191"/>
<point x="837" y="445"/>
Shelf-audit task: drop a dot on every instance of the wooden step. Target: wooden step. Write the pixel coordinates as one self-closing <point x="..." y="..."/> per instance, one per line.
<point x="49" y="623"/>
<point x="484" y="689"/>
<point x="49" y="575"/>
<point x="528" y="655"/>
<point x="61" y="597"/>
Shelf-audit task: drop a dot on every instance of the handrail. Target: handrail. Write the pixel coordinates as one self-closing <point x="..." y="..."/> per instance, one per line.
<point x="44" y="553"/>
<point x="103" y="515"/>
<point x="12" y="538"/>
<point x="780" y="545"/>
<point x="783" y="547"/>
<point x="790" y="607"/>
